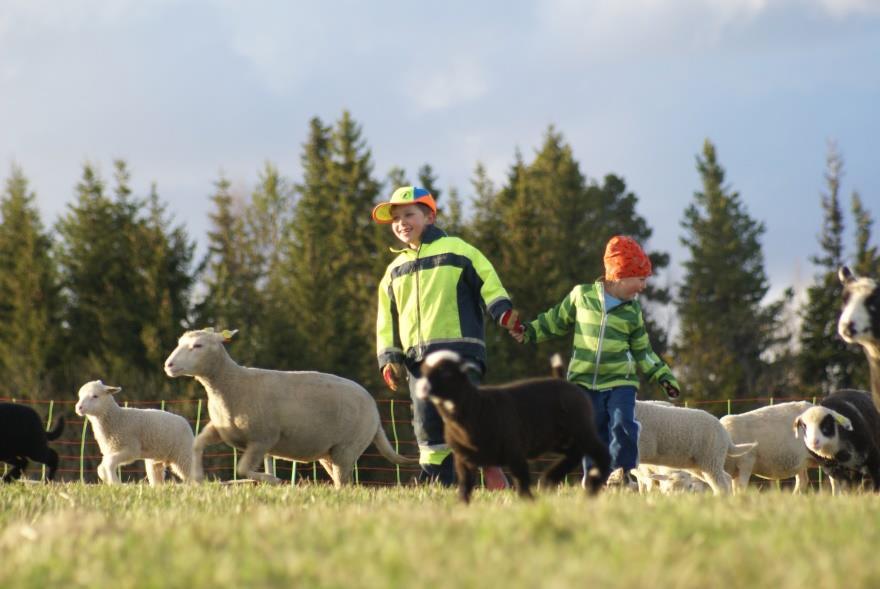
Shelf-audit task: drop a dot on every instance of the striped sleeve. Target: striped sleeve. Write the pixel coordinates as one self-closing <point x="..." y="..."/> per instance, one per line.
<point x="554" y="322"/>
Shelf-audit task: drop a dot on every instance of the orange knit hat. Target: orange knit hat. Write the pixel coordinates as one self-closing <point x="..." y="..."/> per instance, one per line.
<point x="624" y="258"/>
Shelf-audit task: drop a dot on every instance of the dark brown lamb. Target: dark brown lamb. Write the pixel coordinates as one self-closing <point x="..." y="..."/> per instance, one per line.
<point x="506" y="425"/>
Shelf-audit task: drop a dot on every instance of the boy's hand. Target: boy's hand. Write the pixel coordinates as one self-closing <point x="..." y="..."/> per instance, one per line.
<point x="671" y="391"/>
<point x="510" y="321"/>
<point x="393" y="373"/>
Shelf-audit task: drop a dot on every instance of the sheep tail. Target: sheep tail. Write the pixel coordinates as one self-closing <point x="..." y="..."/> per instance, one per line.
<point x="384" y="446"/>
<point x="55" y="432"/>
<point x="737" y="450"/>
<point x="557" y="366"/>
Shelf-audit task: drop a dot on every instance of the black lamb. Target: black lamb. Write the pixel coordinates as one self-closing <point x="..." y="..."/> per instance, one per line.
<point x="22" y="436"/>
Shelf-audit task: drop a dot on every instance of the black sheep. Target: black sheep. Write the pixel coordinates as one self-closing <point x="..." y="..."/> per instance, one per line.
<point x="22" y="436"/>
<point x="505" y="425"/>
<point x="842" y="433"/>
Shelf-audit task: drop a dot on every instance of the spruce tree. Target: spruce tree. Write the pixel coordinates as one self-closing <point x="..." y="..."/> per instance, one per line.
<point x="724" y="328"/>
<point x="825" y="362"/>
<point x="29" y="302"/>
<point x="867" y="257"/>
<point x="545" y="232"/>
<point x="231" y="273"/>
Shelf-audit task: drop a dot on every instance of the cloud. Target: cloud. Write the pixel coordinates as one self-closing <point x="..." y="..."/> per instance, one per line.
<point x="458" y="82"/>
<point x="604" y="30"/>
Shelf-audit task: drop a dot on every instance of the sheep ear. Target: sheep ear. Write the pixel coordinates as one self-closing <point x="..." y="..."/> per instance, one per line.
<point x="846" y="275"/>
<point x="111" y="390"/>
<point x="468" y="366"/>
<point x="798" y="422"/>
<point x="227" y="335"/>
<point x="844" y="422"/>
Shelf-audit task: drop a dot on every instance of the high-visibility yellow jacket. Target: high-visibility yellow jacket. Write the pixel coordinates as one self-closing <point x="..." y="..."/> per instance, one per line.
<point x="434" y="298"/>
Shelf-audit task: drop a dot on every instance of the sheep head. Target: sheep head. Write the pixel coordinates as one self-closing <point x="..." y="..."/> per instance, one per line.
<point x="821" y="430"/>
<point x="445" y="379"/>
<point x="860" y="318"/>
<point x="196" y="352"/>
<point x="95" y="397"/>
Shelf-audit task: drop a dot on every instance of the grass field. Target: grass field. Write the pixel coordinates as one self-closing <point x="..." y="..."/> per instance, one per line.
<point x="212" y="535"/>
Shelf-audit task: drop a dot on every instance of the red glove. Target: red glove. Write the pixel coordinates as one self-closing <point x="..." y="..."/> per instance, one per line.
<point x="510" y="321"/>
<point x="393" y="373"/>
<point x="671" y="391"/>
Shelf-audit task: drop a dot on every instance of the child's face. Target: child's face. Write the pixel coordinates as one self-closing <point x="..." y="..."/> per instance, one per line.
<point x="626" y="289"/>
<point x="408" y="223"/>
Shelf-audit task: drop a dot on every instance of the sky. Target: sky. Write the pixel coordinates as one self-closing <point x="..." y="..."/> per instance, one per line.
<point x="185" y="91"/>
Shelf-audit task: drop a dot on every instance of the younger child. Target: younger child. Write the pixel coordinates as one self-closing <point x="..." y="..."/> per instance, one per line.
<point x="610" y="341"/>
<point x="433" y="297"/>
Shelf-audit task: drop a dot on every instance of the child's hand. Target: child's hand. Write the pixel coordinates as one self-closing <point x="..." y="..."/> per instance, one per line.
<point x="671" y="391"/>
<point x="510" y="321"/>
<point x="393" y="374"/>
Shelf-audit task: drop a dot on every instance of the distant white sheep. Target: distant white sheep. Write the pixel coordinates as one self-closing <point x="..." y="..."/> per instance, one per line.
<point x="124" y="435"/>
<point x="301" y="416"/>
<point x="779" y="454"/>
<point x="690" y="439"/>
<point x="668" y="481"/>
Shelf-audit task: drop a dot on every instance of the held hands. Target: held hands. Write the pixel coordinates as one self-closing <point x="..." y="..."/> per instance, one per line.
<point x="393" y="374"/>
<point x="671" y="392"/>
<point x="510" y="321"/>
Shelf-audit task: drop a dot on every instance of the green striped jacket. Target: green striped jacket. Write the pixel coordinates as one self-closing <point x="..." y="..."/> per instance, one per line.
<point x="607" y="347"/>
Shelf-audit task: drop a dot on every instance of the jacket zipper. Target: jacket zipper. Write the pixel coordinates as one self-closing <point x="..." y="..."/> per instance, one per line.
<point x="419" y="304"/>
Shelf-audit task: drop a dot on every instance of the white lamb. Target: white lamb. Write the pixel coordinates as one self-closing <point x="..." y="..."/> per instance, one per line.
<point x="301" y="416"/>
<point x="668" y="481"/>
<point x="124" y="435"/>
<point x="779" y="454"/>
<point x="690" y="439"/>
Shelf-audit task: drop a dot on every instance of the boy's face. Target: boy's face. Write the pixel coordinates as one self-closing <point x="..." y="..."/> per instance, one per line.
<point x="626" y="289"/>
<point x="408" y="223"/>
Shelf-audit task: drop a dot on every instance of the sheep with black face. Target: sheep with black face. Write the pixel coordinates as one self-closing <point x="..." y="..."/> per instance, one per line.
<point x="842" y="433"/>
<point x="505" y="425"/>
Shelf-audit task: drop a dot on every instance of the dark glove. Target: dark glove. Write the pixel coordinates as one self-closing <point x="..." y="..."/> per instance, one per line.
<point x="671" y="391"/>
<point x="394" y="374"/>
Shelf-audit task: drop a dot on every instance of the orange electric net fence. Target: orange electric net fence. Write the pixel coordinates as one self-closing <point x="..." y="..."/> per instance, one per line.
<point x="80" y="455"/>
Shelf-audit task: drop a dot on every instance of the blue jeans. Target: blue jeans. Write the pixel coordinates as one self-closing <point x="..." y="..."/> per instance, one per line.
<point x="614" y="414"/>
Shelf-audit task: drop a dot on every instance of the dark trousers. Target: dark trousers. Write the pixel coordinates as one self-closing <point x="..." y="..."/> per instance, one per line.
<point x="614" y="414"/>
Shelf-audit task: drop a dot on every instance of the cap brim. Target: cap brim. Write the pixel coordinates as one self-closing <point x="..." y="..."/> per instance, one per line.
<point x="382" y="213"/>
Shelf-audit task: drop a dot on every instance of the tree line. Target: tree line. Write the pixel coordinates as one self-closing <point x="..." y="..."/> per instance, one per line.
<point x="294" y="266"/>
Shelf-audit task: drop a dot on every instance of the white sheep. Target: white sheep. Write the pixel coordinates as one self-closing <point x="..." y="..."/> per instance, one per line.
<point x="859" y="321"/>
<point x="690" y="439"/>
<point x="779" y="454"/>
<point x="301" y="416"/>
<point x="668" y="481"/>
<point x="124" y="435"/>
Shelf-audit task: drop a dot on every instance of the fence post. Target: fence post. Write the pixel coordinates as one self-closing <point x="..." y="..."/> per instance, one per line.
<point x="48" y="425"/>
<point x="396" y="441"/>
<point x="198" y="416"/>
<point x="728" y="407"/>
<point x="82" y="451"/>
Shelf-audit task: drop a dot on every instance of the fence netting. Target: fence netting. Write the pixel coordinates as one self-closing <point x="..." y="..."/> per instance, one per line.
<point x="80" y="455"/>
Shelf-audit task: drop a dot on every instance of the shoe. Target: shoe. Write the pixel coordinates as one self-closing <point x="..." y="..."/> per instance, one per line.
<point x="494" y="478"/>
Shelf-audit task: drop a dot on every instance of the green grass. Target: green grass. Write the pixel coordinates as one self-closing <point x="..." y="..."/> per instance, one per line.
<point x="211" y="535"/>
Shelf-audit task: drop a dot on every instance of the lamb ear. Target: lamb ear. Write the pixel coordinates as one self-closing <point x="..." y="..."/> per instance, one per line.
<point x="846" y="275"/>
<point x="227" y="335"/>
<point x="468" y="366"/>
<point x="844" y="422"/>
<point x="111" y="390"/>
<point x="798" y="422"/>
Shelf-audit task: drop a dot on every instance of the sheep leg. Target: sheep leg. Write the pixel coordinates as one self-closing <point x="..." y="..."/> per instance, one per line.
<point x="155" y="472"/>
<point x="250" y="459"/>
<point x="207" y="437"/>
<point x="719" y="480"/>
<point x="519" y="468"/>
<point x="467" y="478"/>
<point x="111" y="462"/>
<point x="801" y="481"/>
<point x="19" y="463"/>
